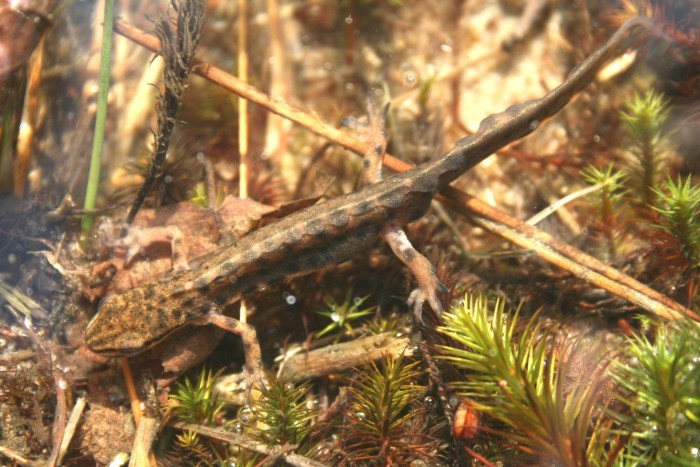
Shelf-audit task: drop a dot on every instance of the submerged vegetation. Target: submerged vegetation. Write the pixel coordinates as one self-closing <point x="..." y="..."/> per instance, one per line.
<point x="580" y="347"/>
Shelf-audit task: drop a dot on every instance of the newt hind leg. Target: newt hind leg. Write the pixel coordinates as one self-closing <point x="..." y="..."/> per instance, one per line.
<point x="429" y="286"/>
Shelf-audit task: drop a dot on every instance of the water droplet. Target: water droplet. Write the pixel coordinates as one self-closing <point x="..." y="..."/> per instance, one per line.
<point x="534" y="125"/>
<point x="447" y="48"/>
<point x="410" y="78"/>
<point x="245" y="415"/>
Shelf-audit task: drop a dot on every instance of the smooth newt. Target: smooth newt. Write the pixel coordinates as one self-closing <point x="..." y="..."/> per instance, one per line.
<point x="324" y="234"/>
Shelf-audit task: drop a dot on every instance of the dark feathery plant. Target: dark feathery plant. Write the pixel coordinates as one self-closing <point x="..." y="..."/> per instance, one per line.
<point x="387" y="422"/>
<point x="179" y="43"/>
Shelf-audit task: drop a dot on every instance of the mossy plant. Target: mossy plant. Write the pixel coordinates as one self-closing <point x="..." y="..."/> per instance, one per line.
<point x="659" y="381"/>
<point x="343" y="315"/>
<point x="608" y="203"/>
<point x="544" y="389"/>
<point x="648" y="145"/>
<point x="679" y="209"/>
<point x="281" y="417"/>
<point x="196" y="403"/>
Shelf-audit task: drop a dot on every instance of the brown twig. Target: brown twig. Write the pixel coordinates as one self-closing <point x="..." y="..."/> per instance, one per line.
<point x="59" y="423"/>
<point x="243" y="140"/>
<point x="135" y="401"/>
<point x="243" y="103"/>
<point x="558" y="253"/>
<point x="248" y="443"/>
<point x="339" y="357"/>
<point x="14" y="456"/>
<point x="69" y="431"/>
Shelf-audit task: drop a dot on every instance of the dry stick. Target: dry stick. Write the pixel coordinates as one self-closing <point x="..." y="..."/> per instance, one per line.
<point x="344" y="356"/>
<point x="16" y="457"/>
<point x="568" y="258"/>
<point x="70" y="428"/>
<point x="565" y="256"/>
<point x="59" y="423"/>
<point x="243" y="120"/>
<point x="143" y="440"/>
<point x="243" y="103"/>
<point x="246" y="442"/>
<point x="135" y="402"/>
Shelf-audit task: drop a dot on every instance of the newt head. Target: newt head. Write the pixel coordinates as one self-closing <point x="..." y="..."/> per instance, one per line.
<point x="126" y="325"/>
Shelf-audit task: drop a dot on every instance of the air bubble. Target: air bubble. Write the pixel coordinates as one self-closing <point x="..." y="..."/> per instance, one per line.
<point x="410" y="78"/>
<point x="290" y="299"/>
<point x="534" y="125"/>
<point x="348" y="20"/>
